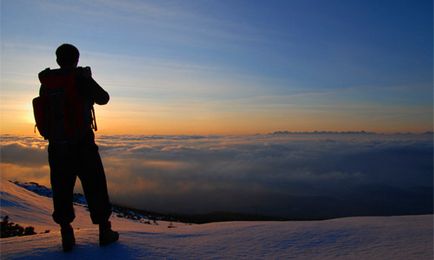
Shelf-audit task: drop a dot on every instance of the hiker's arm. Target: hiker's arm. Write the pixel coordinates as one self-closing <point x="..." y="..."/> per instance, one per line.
<point x="100" y="96"/>
<point x="42" y="90"/>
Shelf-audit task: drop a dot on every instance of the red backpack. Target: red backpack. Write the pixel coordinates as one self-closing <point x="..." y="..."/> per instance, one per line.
<point x="60" y="111"/>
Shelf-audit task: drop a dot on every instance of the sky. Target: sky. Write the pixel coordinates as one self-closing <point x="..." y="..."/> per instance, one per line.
<point x="229" y="67"/>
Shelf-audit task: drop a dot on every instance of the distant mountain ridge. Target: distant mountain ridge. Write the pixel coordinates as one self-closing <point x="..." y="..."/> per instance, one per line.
<point x="361" y="132"/>
<point x="285" y="132"/>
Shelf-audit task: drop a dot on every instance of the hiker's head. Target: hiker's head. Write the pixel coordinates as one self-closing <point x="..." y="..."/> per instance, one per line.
<point x="67" y="56"/>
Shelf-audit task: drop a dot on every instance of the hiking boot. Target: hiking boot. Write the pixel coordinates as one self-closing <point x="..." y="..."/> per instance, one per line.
<point x="106" y="234"/>
<point x="68" y="239"/>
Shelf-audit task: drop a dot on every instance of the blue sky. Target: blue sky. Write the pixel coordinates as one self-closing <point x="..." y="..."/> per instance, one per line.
<point x="230" y="66"/>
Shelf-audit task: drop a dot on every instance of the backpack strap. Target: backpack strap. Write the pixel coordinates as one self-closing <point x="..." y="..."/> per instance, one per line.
<point x="93" y="122"/>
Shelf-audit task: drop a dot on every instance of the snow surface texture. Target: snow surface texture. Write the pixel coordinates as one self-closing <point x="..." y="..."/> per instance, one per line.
<point x="404" y="237"/>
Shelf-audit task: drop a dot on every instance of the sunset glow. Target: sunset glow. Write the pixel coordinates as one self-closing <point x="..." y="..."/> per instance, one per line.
<point x="224" y="67"/>
<point x="253" y="129"/>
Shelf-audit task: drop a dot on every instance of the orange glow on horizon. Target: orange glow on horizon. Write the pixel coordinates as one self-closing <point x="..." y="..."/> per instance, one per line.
<point x="123" y="118"/>
<point x="24" y="125"/>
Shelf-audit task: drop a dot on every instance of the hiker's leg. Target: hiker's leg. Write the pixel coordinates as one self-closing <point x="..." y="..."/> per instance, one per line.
<point x="106" y="234"/>
<point x="93" y="181"/>
<point x="62" y="179"/>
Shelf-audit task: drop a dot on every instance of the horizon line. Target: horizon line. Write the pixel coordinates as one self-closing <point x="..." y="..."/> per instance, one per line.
<point x="278" y="132"/>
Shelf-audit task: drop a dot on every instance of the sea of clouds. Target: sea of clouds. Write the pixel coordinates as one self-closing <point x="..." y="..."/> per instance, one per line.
<point x="285" y="175"/>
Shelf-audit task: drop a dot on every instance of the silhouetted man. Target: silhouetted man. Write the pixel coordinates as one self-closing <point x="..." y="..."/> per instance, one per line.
<point x="69" y="94"/>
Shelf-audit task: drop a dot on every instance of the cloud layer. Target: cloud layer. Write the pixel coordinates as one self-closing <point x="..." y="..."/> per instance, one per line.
<point x="296" y="175"/>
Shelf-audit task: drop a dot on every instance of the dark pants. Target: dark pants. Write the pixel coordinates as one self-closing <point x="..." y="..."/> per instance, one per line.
<point x="67" y="161"/>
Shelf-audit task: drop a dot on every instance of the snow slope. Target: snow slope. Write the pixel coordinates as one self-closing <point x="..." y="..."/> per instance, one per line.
<point x="404" y="237"/>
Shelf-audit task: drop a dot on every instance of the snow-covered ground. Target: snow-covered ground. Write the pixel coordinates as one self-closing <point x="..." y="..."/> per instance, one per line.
<point x="403" y="237"/>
